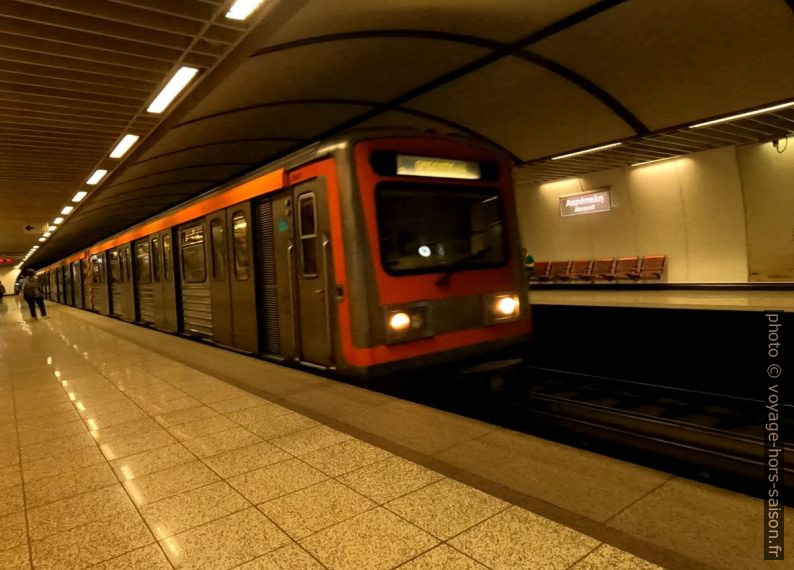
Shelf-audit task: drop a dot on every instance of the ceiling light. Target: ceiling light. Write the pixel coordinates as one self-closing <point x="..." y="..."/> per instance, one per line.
<point x="42" y="239"/>
<point x="594" y="149"/>
<point x="742" y="115"/>
<point x="57" y="220"/>
<point x="123" y="146"/>
<point x="79" y="196"/>
<point x="67" y="210"/>
<point x="47" y="234"/>
<point x="654" y="160"/>
<point x="34" y="247"/>
<point x="175" y="86"/>
<point x="96" y="177"/>
<point x="241" y="9"/>
<point x="52" y="228"/>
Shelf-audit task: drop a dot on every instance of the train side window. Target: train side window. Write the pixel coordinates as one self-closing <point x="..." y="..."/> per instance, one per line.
<point x="194" y="269"/>
<point x="156" y="259"/>
<point x="240" y="245"/>
<point x="95" y="277"/>
<point x="307" y="218"/>
<point x="167" y="258"/>
<point x="143" y="263"/>
<point x="128" y="255"/>
<point x="115" y="267"/>
<point x="218" y="247"/>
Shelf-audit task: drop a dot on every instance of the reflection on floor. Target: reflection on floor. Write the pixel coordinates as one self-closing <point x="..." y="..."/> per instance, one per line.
<point x="114" y="455"/>
<point x="674" y="299"/>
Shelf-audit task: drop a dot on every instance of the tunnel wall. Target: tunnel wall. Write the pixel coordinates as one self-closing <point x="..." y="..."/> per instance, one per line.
<point x="8" y="276"/>
<point x="692" y="209"/>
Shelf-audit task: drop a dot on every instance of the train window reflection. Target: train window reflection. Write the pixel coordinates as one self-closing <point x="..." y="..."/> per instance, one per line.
<point x="194" y="269"/>
<point x="143" y="263"/>
<point x="115" y="269"/>
<point x="240" y="241"/>
<point x="308" y="235"/>
<point x="156" y="259"/>
<point x="433" y="228"/>
<point x="218" y="248"/>
<point x="167" y="257"/>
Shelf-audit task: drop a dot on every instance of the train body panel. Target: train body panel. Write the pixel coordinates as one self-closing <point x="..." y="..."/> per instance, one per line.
<point x="370" y="253"/>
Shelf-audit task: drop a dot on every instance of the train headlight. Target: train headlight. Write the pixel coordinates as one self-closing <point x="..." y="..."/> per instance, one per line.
<point x="399" y="321"/>
<point x="506" y="305"/>
<point x="407" y="322"/>
<point x="501" y="308"/>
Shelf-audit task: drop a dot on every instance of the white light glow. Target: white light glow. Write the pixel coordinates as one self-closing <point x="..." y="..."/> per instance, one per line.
<point x="424" y="251"/>
<point x="654" y="160"/>
<point x="79" y="196"/>
<point x="124" y="145"/>
<point x="42" y="239"/>
<point x="506" y="305"/>
<point x="587" y="151"/>
<point x="52" y="228"/>
<point x="57" y="221"/>
<point x="742" y="115"/>
<point x="46" y="234"/>
<point x="175" y="86"/>
<point x="241" y="9"/>
<point x="96" y="177"/>
<point x="67" y="210"/>
<point x="399" y="321"/>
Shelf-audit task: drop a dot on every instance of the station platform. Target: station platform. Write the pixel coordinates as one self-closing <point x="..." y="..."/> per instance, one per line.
<point x="124" y="447"/>
<point x="709" y="299"/>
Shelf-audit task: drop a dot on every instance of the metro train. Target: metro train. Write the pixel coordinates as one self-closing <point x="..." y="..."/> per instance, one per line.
<point x="372" y="253"/>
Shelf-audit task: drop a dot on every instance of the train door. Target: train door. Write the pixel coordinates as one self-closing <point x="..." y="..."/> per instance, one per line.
<point x="143" y="281"/>
<point x="166" y="317"/>
<point x="116" y="269"/>
<point x="301" y="231"/>
<point x="77" y="280"/>
<point x="232" y="283"/>
<point x="196" y="295"/>
<point x="58" y="288"/>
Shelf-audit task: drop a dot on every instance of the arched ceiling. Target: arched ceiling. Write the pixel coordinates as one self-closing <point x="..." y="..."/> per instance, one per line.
<point x="534" y="77"/>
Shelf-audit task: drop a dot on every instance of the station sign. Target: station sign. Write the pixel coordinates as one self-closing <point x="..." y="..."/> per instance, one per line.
<point x="586" y="203"/>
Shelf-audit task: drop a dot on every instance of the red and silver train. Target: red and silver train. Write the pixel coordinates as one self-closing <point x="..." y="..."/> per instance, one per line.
<point x="369" y="253"/>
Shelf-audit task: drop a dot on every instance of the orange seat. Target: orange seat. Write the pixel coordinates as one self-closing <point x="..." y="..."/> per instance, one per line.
<point x="603" y="268"/>
<point x="627" y="267"/>
<point x="651" y="267"/>
<point x="580" y="269"/>
<point x="558" y="269"/>
<point x="541" y="271"/>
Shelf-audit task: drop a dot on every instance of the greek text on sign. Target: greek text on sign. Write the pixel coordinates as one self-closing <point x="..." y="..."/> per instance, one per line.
<point x="588" y="203"/>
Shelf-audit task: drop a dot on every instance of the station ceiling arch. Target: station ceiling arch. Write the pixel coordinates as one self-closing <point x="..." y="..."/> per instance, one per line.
<point x="536" y="78"/>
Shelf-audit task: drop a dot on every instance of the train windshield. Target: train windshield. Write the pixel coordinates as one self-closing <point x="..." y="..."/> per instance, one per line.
<point x="428" y="228"/>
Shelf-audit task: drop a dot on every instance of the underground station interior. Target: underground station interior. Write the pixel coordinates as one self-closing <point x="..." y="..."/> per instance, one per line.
<point x="418" y="284"/>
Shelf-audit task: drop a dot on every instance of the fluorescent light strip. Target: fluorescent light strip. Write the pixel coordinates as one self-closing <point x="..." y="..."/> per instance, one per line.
<point x="42" y="239"/>
<point x="742" y="115"/>
<point x="57" y="220"/>
<point x="124" y="145"/>
<point x="595" y="149"/>
<point x="47" y="234"/>
<point x="655" y="160"/>
<point x="96" y="177"/>
<point x="79" y="196"/>
<point x="67" y="210"/>
<point x="52" y="228"/>
<point x="173" y="88"/>
<point x="241" y="9"/>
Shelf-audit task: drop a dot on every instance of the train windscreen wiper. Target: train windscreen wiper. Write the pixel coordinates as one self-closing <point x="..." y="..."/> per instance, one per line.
<point x="459" y="265"/>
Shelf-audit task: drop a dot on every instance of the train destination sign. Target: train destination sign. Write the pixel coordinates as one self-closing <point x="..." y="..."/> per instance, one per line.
<point x="409" y="165"/>
<point x="587" y="203"/>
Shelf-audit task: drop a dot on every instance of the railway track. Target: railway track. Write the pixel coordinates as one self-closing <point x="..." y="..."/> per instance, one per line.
<point x="701" y="435"/>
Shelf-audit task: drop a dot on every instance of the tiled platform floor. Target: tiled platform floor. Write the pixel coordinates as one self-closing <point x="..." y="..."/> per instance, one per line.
<point x="115" y="455"/>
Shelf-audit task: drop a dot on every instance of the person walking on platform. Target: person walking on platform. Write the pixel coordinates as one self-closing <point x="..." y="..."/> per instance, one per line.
<point x="31" y="292"/>
<point x="2" y="290"/>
